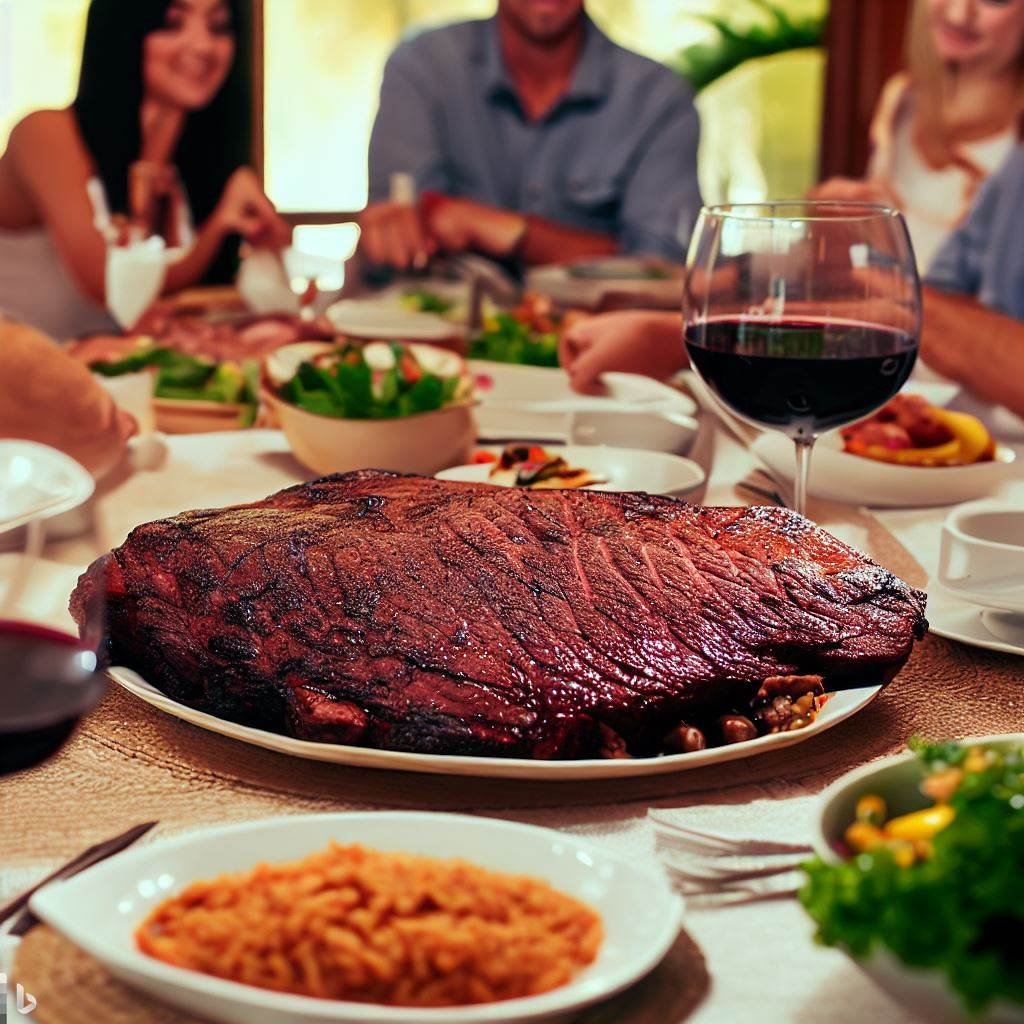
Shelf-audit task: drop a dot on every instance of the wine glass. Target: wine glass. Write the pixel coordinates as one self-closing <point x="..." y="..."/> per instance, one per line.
<point x="49" y="678"/>
<point x="802" y="316"/>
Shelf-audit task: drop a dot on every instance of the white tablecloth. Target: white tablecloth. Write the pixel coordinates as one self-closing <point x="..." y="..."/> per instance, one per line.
<point x="763" y="964"/>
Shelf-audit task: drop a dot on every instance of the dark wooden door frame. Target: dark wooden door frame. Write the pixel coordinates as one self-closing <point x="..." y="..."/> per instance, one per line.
<point x="864" y="48"/>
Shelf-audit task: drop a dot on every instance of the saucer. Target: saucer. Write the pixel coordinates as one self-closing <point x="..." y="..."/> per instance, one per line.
<point x="954" y="619"/>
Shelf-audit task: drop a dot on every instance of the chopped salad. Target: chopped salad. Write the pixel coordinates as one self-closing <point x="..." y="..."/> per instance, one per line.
<point x="190" y="378"/>
<point x="372" y="380"/>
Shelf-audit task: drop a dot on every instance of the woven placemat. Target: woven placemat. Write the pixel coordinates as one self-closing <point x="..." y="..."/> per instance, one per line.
<point x="70" y="987"/>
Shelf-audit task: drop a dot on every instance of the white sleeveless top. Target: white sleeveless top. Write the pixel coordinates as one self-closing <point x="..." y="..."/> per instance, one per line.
<point x="933" y="200"/>
<point x="37" y="289"/>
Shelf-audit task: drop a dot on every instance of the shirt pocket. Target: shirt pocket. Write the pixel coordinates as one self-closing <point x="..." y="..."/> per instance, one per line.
<point x="595" y="196"/>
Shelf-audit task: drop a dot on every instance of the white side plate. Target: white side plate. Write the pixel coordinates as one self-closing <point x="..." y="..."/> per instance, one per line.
<point x="100" y="909"/>
<point x="838" y="708"/>
<point x="513" y="399"/>
<point x="624" y="469"/>
<point x="38" y="482"/>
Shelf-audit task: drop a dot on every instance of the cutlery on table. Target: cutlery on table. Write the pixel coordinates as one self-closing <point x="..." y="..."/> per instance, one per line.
<point x="17" y="908"/>
<point x="714" y="871"/>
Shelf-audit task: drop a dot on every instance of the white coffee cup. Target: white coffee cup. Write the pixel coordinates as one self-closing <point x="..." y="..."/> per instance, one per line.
<point x="981" y="558"/>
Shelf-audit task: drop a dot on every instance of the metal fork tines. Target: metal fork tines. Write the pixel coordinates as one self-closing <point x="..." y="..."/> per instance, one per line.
<point x="716" y="871"/>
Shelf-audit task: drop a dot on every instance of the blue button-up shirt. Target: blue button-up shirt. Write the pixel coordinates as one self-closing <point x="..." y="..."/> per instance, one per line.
<point x="616" y="154"/>
<point x="984" y="257"/>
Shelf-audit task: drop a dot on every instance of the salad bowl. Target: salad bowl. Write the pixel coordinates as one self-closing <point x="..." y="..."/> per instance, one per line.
<point x="897" y="780"/>
<point x="364" y="406"/>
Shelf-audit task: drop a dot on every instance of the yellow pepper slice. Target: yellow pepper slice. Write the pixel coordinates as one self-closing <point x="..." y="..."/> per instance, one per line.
<point x="970" y="442"/>
<point x="920" y="824"/>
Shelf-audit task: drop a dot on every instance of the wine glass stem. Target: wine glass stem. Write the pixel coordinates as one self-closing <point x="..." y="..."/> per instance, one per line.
<point x="803" y="468"/>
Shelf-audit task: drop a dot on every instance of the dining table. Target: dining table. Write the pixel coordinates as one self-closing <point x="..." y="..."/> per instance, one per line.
<point x="755" y="962"/>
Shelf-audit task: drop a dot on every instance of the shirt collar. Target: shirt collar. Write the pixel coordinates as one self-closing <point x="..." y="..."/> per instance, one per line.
<point x="590" y="79"/>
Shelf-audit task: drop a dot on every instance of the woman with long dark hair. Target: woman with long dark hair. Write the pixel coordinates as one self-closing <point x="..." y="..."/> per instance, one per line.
<point x="162" y="116"/>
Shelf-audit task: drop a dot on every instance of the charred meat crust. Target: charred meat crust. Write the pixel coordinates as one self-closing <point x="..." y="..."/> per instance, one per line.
<point x="407" y="613"/>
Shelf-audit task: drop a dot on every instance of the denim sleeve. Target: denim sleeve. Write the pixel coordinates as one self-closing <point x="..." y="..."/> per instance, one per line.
<point x="959" y="263"/>
<point x="662" y="197"/>
<point x="406" y="135"/>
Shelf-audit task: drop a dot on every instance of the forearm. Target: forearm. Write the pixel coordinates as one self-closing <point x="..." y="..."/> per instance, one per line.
<point x="980" y="349"/>
<point x="548" y="242"/>
<point x="190" y="269"/>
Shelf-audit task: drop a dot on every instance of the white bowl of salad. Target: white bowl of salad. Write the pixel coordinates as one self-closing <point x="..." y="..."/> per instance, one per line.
<point x="372" y="405"/>
<point x="918" y="876"/>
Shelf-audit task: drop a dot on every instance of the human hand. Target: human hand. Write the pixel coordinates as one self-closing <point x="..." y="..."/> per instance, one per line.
<point x="245" y="209"/>
<point x="629" y="341"/>
<point x="853" y="190"/>
<point x="392" y="234"/>
<point x="458" y="225"/>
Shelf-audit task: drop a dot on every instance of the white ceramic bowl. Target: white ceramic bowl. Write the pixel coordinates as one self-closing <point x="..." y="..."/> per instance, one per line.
<point x="623" y="468"/>
<point x="537" y="402"/>
<point x="424" y="443"/>
<point x="99" y="910"/>
<point x="896" y="779"/>
<point x="839" y="476"/>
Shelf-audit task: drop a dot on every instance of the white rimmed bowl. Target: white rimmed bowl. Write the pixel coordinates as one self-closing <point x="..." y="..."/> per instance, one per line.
<point x="100" y="909"/>
<point x="896" y="779"/>
<point x="839" y="476"/>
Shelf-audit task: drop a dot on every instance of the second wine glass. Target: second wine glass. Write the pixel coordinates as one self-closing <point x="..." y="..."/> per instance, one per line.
<point x="802" y="316"/>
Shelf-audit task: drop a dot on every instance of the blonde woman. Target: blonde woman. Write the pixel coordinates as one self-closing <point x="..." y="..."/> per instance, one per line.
<point x="946" y="123"/>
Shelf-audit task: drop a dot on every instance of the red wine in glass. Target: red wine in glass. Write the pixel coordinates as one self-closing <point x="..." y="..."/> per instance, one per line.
<point x="801" y="316"/>
<point x="48" y="681"/>
<point x="800" y="376"/>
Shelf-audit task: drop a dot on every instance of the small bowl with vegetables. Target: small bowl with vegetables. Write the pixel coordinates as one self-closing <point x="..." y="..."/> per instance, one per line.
<point x="376" y="404"/>
<point x="191" y="394"/>
<point x="918" y="877"/>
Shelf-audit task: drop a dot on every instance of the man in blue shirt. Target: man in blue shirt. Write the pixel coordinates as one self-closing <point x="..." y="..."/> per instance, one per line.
<point x="534" y="137"/>
<point x="974" y="303"/>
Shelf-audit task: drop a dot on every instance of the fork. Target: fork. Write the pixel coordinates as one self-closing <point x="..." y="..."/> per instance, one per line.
<point x="714" y="871"/>
<point x="17" y="908"/>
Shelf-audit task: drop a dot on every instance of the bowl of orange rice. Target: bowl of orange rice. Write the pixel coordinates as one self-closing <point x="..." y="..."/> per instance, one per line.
<point x="404" y="918"/>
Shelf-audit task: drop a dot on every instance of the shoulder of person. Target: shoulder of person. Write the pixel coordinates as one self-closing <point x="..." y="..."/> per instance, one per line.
<point x="47" y="134"/>
<point x="437" y="46"/>
<point x="657" y="81"/>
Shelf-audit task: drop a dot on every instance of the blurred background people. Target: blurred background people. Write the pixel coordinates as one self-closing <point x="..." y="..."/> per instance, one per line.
<point x="948" y="121"/>
<point x="161" y="122"/>
<point x="531" y="136"/>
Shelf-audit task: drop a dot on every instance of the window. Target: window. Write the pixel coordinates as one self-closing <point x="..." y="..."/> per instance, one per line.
<point x="40" y="50"/>
<point x="324" y="59"/>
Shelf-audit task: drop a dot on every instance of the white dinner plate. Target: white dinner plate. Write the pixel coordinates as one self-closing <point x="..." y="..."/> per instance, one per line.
<point x="369" y="318"/>
<point x="838" y="708"/>
<point x="38" y="482"/>
<point x="838" y="476"/>
<point x="955" y="619"/>
<point x="623" y="469"/>
<point x="99" y="909"/>
<point x="537" y="403"/>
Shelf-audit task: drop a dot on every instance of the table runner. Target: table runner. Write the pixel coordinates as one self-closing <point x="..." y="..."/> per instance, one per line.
<point x="131" y="763"/>
<point x="70" y="987"/>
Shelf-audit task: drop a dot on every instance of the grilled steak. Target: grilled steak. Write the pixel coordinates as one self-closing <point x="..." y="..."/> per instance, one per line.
<point x="412" y="614"/>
